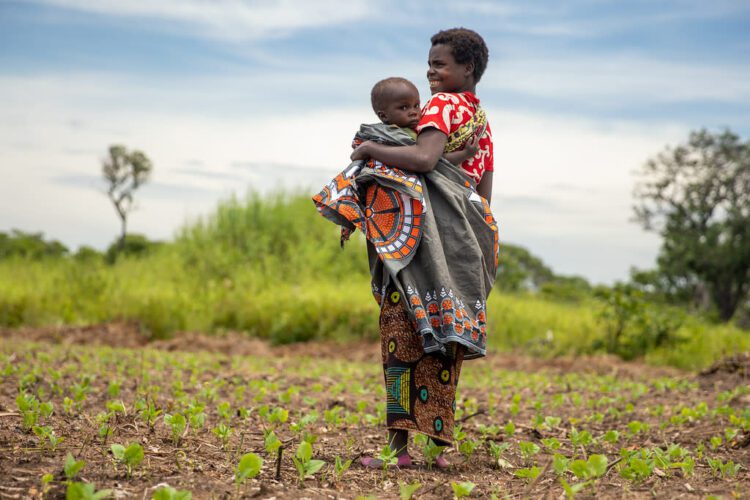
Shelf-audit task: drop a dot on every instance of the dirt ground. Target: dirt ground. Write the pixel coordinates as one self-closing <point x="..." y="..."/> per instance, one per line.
<point x="349" y="377"/>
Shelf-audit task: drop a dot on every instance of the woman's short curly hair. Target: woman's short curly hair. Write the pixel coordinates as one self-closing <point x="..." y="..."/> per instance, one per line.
<point x="467" y="47"/>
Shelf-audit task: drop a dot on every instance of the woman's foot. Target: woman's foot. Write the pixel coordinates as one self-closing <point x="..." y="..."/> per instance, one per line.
<point x="441" y="462"/>
<point x="402" y="462"/>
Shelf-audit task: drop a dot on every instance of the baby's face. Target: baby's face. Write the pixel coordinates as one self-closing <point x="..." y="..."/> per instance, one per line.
<point x="402" y="106"/>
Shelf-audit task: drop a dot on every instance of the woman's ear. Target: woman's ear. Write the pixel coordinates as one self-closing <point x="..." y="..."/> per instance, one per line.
<point x="469" y="69"/>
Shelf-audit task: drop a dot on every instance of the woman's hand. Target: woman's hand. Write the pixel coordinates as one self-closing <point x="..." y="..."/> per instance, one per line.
<point x="361" y="152"/>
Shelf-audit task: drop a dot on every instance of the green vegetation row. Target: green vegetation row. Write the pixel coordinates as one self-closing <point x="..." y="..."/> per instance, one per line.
<point x="273" y="268"/>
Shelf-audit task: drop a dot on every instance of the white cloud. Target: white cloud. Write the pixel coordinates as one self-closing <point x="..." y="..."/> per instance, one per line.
<point x="619" y="80"/>
<point x="230" y="19"/>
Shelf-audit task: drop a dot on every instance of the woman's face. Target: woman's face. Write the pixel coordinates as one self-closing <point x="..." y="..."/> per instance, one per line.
<point x="445" y="74"/>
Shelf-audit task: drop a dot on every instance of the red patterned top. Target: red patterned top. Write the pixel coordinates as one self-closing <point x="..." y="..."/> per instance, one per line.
<point x="447" y="111"/>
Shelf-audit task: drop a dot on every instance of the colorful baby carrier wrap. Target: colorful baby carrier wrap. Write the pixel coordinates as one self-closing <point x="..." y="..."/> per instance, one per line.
<point x="431" y="238"/>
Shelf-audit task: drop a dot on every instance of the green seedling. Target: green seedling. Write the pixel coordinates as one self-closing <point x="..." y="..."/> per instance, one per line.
<point x="582" y="438"/>
<point x="496" y="452"/>
<point x="271" y="442"/>
<point x="132" y="456"/>
<point x="551" y="444"/>
<point x="113" y="388"/>
<point x="509" y="429"/>
<point x="719" y="468"/>
<point x="28" y="406"/>
<point x="529" y="474"/>
<point x="72" y="467"/>
<point x="571" y="490"/>
<point x="637" y="469"/>
<point x="528" y="449"/>
<point x="115" y="407"/>
<point x="430" y="450"/>
<point x="715" y="442"/>
<point x="593" y="468"/>
<point x="406" y="490"/>
<point x="223" y="432"/>
<point x="468" y="447"/>
<point x="305" y="421"/>
<point x="463" y="489"/>
<point x="611" y="436"/>
<point x="248" y="467"/>
<point x="339" y="467"/>
<point x="224" y="410"/>
<point x="305" y="464"/>
<point x="488" y="430"/>
<point x="46" y="482"/>
<point x="85" y="491"/>
<point x="48" y="437"/>
<point x="169" y="493"/>
<point x="177" y="424"/>
<point x="636" y="427"/>
<point x="560" y="464"/>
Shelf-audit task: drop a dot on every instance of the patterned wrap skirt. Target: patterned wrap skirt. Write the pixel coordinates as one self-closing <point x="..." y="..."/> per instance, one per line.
<point x="420" y="387"/>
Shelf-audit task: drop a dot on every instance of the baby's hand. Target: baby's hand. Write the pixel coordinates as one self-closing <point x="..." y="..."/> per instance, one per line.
<point x="361" y="152"/>
<point x="472" y="146"/>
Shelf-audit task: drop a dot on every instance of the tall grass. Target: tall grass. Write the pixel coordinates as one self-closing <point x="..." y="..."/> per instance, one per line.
<point x="273" y="268"/>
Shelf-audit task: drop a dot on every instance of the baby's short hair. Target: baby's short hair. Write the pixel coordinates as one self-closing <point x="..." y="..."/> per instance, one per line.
<point x="467" y="47"/>
<point x="380" y="91"/>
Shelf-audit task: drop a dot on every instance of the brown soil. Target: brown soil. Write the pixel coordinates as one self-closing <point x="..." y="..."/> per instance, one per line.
<point x="200" y="465"/>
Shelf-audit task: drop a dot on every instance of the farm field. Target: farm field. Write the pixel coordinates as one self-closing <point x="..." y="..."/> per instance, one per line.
<point x="196" y="405"/>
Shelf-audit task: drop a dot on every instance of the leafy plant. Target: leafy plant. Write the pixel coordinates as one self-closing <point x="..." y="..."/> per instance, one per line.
<point x="177" y="424"/>
<point x="339" y="467"/>
<point x="85" y="491"/>
<point x="72" y="467"/>
<point x="406" y="490"/>
<point x="248" y="467"/>
<point x="169" y="493"/>
<point x="132" y="456"/>
<point x="463" y="489"/>
<point x="305" y="464"/>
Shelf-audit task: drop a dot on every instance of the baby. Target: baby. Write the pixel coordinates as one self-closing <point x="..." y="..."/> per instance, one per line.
<point x="395" y="101"/>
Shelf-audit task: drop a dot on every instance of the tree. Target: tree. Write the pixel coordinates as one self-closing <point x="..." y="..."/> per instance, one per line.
<point x="697" y="197"/>
<point x="125" y="172"/>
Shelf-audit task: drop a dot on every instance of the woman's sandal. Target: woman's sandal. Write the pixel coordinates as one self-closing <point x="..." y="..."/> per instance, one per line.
<point x="403" y="462"/>
<point x="442" y="463"/>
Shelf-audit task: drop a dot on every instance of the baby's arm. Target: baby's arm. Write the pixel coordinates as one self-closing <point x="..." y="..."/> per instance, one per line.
<point x="470" y="149"/>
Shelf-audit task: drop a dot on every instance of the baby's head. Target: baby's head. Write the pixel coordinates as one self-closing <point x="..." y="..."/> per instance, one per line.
<point x="396" y="102"/>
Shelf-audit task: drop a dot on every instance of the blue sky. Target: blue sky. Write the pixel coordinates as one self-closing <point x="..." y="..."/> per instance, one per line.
<point x="227" y="96"/>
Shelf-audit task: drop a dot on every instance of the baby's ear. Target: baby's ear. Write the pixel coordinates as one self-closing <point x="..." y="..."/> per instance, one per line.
<point x="381" y="115"/>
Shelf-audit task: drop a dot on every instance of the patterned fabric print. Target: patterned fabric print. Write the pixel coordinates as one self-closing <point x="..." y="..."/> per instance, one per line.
<point x="339" y="203"/>
<point x="420" y="388"/>
<point x="448" y="112"/>
<point x="393" y="221"/>
<point x="446" y="317"/>
<point x="491" y="222"/>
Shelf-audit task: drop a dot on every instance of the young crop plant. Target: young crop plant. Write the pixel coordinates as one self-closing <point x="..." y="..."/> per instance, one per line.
<point x="271" y="442"/>
<point x="47" y="437"/>
<point x="72" y="467"/>
<point x="407" y="490"/>
<point x="28" y="407"/>
<point x="593" y="468"/>
<point x="560" y="464"/>
<point x="496" y="452"/>
<point x="132" y="456"/>
<point x="528" y="474"/>
<point x="719" y="468"/>
<point x="340" y="466"/>
<point x="177" y="425"/>
<point x="248" y="467"/>
<point x="468" y="447"/>
<point x="223" y="432"/>
<point x="636" y="466"/>
<point x="528" y="450"/>
<point x="169" y="493"/>
<point x="462" y="489"/>
<point x="305" y="464"/>
<point x="430" y="450"/>
<point x="148" y="412"/>
<point x="85" y="491"/>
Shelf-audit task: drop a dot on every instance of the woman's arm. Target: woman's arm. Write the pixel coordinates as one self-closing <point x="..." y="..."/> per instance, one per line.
<point x="420" y="158"/>
<point x="484" y="188"/>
